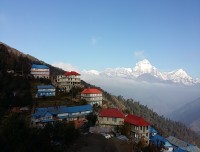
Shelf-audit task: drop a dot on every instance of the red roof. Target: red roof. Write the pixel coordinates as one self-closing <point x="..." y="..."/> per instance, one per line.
<point x="71" y="73"/>
<point x="113" y="112"/>
<point x="91" y="91"/>
<point x="135" y="120"/>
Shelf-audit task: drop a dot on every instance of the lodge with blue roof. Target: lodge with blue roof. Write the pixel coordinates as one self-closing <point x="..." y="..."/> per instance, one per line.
<point x="171" y="144"/>
<point x="40" y="71"/>
<point x="182" y="146"/>
<point x="42" y="116"/>
<point x="160" y="141"/>
<point x="46" y="90"/>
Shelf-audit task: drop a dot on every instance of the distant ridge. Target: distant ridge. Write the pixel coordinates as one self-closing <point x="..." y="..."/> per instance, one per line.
<point x="189" y="114"/>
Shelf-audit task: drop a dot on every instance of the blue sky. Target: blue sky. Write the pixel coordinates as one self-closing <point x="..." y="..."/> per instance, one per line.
<point x="91" y="34"/>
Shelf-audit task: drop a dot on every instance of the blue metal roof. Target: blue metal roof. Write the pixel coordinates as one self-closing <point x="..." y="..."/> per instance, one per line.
<point x="180" y="150"/>
<point x="182" y="146"/>
<point x="40" y="112"/>
<point x="79" y="108"/>
<point x="39" y="66"/>
<point x="45" y="87"/>
<point x="47" y="120"/>
<point x="160" y="139"/>
<point x="152" y="130"/>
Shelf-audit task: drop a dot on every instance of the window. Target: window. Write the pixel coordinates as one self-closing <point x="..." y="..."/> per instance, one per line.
<point x="114" y="119"/>
<point x="147" y="127"/>
<point x="140" y="127"/>
<point x="147" y="134"/>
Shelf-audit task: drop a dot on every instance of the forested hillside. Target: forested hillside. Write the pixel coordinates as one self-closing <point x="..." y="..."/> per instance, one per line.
<point x="14" y="60"/>
<point x="166" y="127"/>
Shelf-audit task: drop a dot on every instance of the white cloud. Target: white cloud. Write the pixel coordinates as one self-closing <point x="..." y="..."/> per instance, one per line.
<point x="139" y="54"/>
<point x="65" y="66"/>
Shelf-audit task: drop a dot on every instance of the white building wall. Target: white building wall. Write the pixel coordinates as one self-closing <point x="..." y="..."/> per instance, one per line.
<point x="93" y="98"/>
<point x="40" y="73"/>
<point x="68" y="82"/>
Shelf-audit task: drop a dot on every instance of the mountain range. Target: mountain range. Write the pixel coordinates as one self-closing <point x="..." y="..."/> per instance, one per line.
<point x="145" y="71"/>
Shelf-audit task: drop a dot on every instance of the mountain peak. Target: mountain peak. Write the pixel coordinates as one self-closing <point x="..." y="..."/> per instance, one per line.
<point x="144" y="66"/>
<point x="145" y="61"/>
<point x="181" y="73"/>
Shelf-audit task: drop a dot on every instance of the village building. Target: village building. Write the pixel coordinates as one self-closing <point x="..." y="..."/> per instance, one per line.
<point x="182" y="146"/>
<point x="40" y="71"/>
<point x="160" y="141"/>
<point x="46" y="90"/>
<point x="137" y="127"/>
<point x="43" y="116"/>
<point x="92" y="96"/>
<point x="112" y="118"/>
<point x="68" y="80"/>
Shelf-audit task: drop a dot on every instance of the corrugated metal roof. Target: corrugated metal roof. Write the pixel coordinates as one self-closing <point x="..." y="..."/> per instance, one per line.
<point x="160" y="139"/>
<point x="71" y="73"/>
<point x="91" y="91"/>
<point x="152" y="130"/>
<point x="45" y="87"/>
<point x="40" y="112"/>
<point x="135" y="120"/>
<point x="39" y="66"/>
<point x="177" y="142"/>
<point x="179" y="150"/>
<point x="192" y="148"/>
<point x="79" y="108"/>
<point x="182" y="145"/>
<point x="113" y="112"/>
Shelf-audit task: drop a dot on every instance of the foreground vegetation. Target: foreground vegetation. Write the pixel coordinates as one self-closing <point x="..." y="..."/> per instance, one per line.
<point x="16" y="135"/>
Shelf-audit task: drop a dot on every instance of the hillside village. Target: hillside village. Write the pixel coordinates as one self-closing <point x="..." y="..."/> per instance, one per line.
<point x="109" y="119"/>
<point x="64" y="98"/>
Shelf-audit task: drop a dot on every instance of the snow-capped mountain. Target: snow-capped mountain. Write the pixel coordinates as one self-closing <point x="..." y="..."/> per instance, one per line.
<point x="179" y="76"/>
<point x="118" y="72"/>
<point x="145" y="71"/>
<point x="145" y="67"/>
<point x="91" y="72"/>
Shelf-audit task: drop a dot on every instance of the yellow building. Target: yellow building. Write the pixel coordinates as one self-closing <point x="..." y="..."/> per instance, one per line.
<point x="111" y="118"/>
<point x="137" y="128"/>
